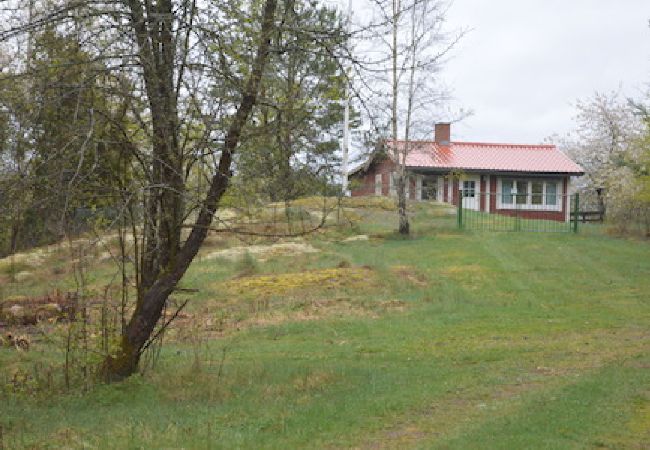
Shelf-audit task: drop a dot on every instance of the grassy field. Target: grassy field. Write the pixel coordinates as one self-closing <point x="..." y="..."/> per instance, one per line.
<point x="449" y="339"/>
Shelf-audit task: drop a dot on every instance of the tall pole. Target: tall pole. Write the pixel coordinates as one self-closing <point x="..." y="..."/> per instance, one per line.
<point x="346" y="115"/>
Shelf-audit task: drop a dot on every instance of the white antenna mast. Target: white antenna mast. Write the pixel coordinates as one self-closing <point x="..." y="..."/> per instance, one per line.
<point x="346" y="115"/>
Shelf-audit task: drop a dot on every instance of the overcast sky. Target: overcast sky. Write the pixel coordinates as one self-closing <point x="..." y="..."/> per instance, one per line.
<point x="526" y="62"/>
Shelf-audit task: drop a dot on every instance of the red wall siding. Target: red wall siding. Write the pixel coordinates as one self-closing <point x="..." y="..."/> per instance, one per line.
<point x="367" y="180"/>
<point x="525" y="214"/>
<point x="493" y="196"/>
<point x="482" y="198"/>
<point x="454" y="193"/>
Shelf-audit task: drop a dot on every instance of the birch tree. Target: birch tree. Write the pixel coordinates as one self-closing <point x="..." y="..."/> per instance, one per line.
<point x="409" y="47"/>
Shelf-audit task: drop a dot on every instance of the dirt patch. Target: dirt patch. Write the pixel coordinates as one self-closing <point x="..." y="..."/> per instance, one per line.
<point x="319" y="309"/>
<point x="32" y="310"/>
<point x="311" y="381"/>
<point x="410" y="274"/>
<point x="262" y="252"/>
<point x="263" y="313"/>
<point x="271" y="285"/>
<point x="357" y="238"/>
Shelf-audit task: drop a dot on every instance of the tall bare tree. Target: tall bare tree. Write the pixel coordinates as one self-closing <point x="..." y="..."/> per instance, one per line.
<point x="408" y="49"/>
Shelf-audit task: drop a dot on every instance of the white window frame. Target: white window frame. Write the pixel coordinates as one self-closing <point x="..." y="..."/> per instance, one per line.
<point x="379" y="184"/>
<point x="559" y="194"/>
<point x="475" y="190"/>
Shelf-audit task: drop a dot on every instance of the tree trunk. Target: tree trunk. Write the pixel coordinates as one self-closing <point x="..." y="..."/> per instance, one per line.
<point x="404" y="227"/>
<point x="400" y="154"/>
<point x="149" y="308"/>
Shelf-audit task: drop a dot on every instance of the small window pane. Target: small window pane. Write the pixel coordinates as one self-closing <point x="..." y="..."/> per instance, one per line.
<point x="522" y="192"/>
<point x="469" y="188"/>
<point x="506" y="192"/>
<point x="537" y="191"/>
<point x="551" y="193"/>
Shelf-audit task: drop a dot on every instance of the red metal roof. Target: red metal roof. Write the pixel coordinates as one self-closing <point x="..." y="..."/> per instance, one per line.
<point x="489" y="157"/>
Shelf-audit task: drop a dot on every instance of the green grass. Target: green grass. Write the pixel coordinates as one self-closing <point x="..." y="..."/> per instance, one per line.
<point x="458" y="340"/>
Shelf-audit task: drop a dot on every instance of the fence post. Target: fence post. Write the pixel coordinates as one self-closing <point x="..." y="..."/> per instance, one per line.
<point x="460" y="209"/>
<point x="576" y="210"/>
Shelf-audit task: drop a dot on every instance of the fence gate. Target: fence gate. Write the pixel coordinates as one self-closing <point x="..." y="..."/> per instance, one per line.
<point x="556" y="213"/>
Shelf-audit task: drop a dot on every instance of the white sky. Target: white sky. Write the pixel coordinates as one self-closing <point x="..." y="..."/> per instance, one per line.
<point x="526" y="62"/>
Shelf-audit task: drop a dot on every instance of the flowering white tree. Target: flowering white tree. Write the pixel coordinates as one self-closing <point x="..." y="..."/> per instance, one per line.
<point x="612" y="142"/>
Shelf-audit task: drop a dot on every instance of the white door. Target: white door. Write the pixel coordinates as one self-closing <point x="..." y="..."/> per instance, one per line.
<point x="471" y="193"/>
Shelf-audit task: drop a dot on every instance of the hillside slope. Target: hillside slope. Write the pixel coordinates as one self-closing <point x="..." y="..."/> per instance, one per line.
<point x="365" y="340"/>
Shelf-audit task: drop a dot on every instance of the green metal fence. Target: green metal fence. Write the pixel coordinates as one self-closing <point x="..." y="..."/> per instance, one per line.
<point x="554" y="213"/>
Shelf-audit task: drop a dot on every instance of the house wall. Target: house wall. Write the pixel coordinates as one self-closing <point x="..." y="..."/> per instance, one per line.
<point x="488" y="188"/>
<point x="454" y="192"/>
<point x="483" y="197"/>
<point x="367" y="181"/>
<point x="365" y="184"/>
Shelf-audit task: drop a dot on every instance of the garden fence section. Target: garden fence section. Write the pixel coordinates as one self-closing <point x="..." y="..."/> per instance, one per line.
<point x="552" y="213"/>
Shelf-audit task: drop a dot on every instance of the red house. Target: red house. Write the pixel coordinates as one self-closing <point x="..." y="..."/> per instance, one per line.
<point x="533" y="180"/>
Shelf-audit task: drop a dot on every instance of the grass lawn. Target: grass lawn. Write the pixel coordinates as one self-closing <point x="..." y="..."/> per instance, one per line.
<point x="450" y="340"/>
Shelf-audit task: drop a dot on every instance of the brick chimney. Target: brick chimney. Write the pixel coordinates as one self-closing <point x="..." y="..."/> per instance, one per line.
<point x="443" y="133"/>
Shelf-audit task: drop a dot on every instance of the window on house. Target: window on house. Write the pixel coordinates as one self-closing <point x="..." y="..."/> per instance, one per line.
<point x="429" y="188"/>
<point x="378" y="184"/>
<point x="533" y="194"/>
<point x="551" y="193"/>
<point x="506" y="192"/>
<point x="469" y="188"/>
<point x="522" y="192"/>
<point x="537" y="192"/>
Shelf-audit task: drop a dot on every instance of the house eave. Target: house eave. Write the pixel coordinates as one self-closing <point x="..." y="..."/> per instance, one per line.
<point x="446" y="170"/>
